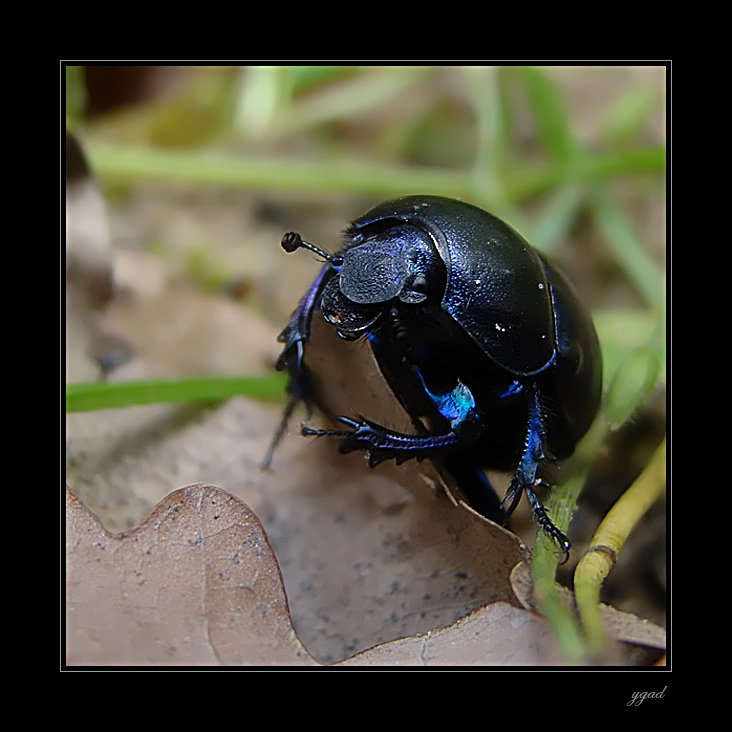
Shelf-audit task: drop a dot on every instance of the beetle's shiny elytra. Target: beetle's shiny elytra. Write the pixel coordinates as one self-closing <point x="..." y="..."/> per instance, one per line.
<point x="472" y="328"/>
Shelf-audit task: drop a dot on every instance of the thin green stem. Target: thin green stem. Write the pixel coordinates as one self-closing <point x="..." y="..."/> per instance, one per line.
<point x="609" y="540"/>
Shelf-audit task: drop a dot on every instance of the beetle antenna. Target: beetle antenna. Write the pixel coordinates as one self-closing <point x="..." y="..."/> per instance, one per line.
<point x="293" y="241"/>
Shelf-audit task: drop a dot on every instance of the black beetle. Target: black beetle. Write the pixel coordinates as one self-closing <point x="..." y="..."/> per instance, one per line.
<point x="483" y="341"/>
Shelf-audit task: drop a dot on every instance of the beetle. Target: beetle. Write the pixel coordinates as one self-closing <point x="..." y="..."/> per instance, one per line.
<point x="483" y="341"/>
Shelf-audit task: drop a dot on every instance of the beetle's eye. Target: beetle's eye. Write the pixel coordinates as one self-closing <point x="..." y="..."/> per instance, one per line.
<point x="420" y="285"/>
<point x="416" y="293"/>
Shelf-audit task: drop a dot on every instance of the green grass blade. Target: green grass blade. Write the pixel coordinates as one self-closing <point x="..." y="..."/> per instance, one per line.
<point x="627" y="246"/>
<point x="112" y="395"/>
<point x="550" y="114"/>
<point x="131" y="163"/>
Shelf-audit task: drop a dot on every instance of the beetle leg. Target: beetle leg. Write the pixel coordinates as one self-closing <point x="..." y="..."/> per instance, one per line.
<point x="297" y="332"/>
<point x="295" y="336"/>
<point x="382" y="443"/>
<point x="525" y="479"/>
<point x="546" y="523"/>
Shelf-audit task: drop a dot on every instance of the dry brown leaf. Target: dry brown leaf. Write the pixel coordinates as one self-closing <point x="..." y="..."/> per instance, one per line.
<point x="363" y="560"/>
<point x="198" y="584"/>
<point x="497" y="635"/>
<point x="620" y="626"/>
<point x="195" y="584"/>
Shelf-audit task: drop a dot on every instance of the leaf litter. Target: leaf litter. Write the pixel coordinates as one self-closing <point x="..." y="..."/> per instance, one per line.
<point x="356" y="566"/>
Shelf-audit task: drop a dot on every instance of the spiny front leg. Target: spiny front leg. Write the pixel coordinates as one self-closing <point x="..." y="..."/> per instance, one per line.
<point x="382" y="443"/>
<point x="295" y="336"/>
<point x="297" y="333"/>
<point x="525" y="479"/>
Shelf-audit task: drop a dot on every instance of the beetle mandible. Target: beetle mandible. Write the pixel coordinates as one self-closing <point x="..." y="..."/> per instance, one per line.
<point x="471" y="327"/>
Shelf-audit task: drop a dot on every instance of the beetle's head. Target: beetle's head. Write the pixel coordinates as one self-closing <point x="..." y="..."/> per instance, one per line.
<point x="398" y="264"/>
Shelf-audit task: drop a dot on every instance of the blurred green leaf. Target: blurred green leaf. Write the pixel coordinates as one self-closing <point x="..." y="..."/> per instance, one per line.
<point x="557" y="218"/>
<point x="75" y="95"/>
<point x="630" y="385"/>
<point x="261" y="96"/>
<point x="363" y="93"/>
<point x="628" y="114"/>
<point x="627" y="246"/>
<point x="623" y="331"/>
<point x="121" y="162"/>
<point x="134" y="163"/>
<point x="491" y="120"/>
<point x="303" y="77"/>
<point x="529" y="181"/>
<point x="550" y="114"/>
